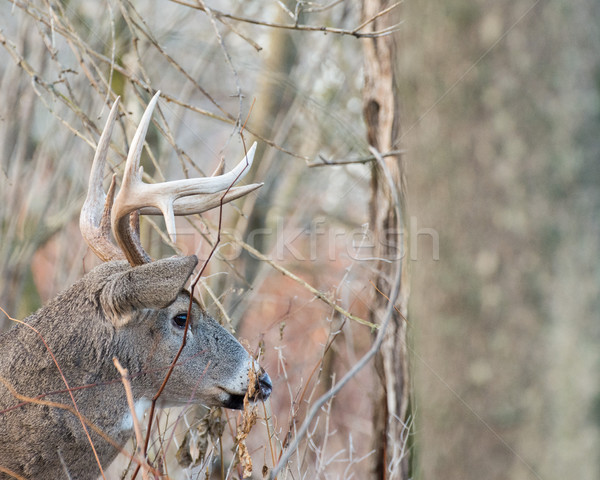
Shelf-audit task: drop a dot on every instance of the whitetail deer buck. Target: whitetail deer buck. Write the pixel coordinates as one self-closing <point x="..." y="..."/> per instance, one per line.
<point x="135" y="310"/>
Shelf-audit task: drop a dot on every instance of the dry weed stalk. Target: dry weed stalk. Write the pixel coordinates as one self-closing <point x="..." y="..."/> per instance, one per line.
<point x="249" y="416"/>
<point x="136" y="423"/>
<point x="194" y="448"/>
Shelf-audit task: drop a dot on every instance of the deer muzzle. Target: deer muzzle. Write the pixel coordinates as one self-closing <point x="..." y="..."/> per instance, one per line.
<point x="263" y="386"/>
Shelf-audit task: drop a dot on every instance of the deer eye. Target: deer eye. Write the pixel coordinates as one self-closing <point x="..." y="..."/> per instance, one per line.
<point x="179" y="320"/>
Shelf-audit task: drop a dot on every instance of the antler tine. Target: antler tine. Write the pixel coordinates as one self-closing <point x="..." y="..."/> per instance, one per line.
<point x="94" y="220"/>
<point x="135" y="194"/>
<point x="202" y="203"/>
<point x="130" y="244"/>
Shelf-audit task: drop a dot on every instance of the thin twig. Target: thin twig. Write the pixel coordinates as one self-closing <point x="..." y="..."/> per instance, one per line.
<point x="298" y="27"/>
<point x="11" y="473"/>
<point x="321" y="8"/>
<point x="228" y="60"/>
<point x="64" y="379"/>
<point x="112" y="51"/>
<point x="218" y="304"/>
<point x="314" y="410"/>
<point x="189" y="314"/>
<point x="303" y="395"/>
<point x="254" y="45"/>
<point x="139" y="440"/>
<point x="37" y="401"/>
<point x="395" y="292"/>
<point x="136" y="81"/>
<point x="375" y="17"/>
<point x="317" y="293"/>
<point x="331" y="163"/>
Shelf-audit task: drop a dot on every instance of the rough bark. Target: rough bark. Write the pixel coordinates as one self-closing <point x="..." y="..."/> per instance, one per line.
<point x="381" y="112"/>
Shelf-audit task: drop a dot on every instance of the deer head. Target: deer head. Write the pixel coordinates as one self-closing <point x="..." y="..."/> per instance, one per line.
<point x="56" y="369"/>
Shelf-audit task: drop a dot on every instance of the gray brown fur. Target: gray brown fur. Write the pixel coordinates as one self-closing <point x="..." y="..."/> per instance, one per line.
<point x="114" y="311"/>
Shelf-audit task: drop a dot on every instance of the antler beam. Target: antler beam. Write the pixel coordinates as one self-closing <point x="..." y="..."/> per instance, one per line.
<point x="178" y="197"/>
<point x="94" y="220"/>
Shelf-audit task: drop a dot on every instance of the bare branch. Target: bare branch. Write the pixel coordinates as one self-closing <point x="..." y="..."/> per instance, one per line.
<point x="320" y="295"/>
<point x="375" y="17"/>
<point x="332" y="163"/>
<point x="298" y="27"/>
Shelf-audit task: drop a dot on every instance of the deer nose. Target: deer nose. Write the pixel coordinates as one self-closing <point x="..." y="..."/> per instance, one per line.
<point x="264" y="386"/>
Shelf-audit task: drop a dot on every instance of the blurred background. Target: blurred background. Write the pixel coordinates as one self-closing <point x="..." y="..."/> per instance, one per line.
<point x="500" y="124"/>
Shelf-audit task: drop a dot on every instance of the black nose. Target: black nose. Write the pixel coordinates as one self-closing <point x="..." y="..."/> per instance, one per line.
<point x="264" y="386"/>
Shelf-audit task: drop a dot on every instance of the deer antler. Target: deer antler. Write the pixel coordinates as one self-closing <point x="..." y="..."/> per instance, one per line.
<point x="94" y="220"/>
<point x="179" y="197"/>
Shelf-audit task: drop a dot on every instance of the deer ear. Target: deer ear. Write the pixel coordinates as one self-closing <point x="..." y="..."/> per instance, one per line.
<point x="152" y="285"/>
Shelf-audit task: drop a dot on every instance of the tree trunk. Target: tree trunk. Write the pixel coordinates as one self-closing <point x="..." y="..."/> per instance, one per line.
<point x="391" y="418"/>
